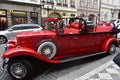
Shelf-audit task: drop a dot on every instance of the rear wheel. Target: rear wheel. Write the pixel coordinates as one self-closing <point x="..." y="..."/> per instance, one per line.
<point x="112" y="49"/>
<point x="3" y="39"/>
<point x="20" y="69"/>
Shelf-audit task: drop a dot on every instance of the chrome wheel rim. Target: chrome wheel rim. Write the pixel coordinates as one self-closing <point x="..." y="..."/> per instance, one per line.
<point x="2" y="39"/>
<point x="18" y="70"/>
<point x="47" y="50"/>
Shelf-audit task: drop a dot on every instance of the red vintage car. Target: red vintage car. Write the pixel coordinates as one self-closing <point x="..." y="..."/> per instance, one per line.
<point x="60" y="41"/>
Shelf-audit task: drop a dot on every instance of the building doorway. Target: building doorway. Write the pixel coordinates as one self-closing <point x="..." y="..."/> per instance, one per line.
<point x="3" y="20"/>
<point x="34" y="17"/>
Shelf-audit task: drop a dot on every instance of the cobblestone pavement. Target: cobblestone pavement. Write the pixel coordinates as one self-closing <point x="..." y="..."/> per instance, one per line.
<point x="1" y="51"/>
<point x="108" y="71"/>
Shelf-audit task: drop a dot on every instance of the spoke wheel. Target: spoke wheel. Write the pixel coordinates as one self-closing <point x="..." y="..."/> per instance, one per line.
<point x="47" y="49"/>
<point x="19" y="69"/>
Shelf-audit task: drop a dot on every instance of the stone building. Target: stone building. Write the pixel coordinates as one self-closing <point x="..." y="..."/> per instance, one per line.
<point x="109" y="10"/>
<point x="59" y="8"/>
<point x="19" y="11"/>
<point x="88" y="9"/>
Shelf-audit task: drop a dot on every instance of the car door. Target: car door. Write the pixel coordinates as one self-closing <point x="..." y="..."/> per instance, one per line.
<point x="80" y="44"/>
<point x="66" y="44"/>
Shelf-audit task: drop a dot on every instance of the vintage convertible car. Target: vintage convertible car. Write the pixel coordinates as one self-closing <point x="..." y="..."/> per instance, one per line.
<point x="60" y="41"/>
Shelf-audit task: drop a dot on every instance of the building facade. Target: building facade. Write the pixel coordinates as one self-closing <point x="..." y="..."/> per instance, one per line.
<point x="19" y="11"/>
<point x="88" y="9"/>
<point x="109" y="10"/>
<point x="59" y="8"/>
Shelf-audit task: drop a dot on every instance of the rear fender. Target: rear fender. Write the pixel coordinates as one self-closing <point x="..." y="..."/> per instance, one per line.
<point x="107" y="43"/>
<point x="16" y="52"/>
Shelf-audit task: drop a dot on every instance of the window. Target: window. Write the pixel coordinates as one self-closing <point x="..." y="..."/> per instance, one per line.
<point x="59" y="1"/>
<point x="34" y="17"/>
<point x="82" y="3"/>
<point x="34" y="0"/>
<point x="49" y="1"/>
<point x="73" y="3"/>
<point x="89" y="4"/>
<point x="17" y="28"/>
<point x="3" y="19"/>
<point x="95" y="4"/>
<point x="19" y="17"/>
<point x="24" y="27"/>
<point x="65" y="2"/>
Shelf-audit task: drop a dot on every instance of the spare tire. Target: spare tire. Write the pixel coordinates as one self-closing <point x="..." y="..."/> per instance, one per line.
<point x="47" y="49"/>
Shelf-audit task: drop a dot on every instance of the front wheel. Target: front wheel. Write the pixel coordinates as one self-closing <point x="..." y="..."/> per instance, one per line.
<point x="20" y="69"/>
<point x="112" y="49"/>
<point x="3" y="39"/>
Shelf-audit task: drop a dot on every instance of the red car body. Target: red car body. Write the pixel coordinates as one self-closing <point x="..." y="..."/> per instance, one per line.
<point x="72" y="42"/>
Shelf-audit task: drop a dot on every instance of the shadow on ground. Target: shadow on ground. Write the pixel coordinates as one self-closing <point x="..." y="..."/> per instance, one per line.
<point x="54" y="71"/>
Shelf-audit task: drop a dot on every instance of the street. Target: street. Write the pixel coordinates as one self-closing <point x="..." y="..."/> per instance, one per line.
<point x="66" y="71"/>
<point x="57" y="31"/>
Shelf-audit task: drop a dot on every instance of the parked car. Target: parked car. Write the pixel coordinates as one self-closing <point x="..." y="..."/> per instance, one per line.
<point x="12" y="31"/>
<point x="52" y="45"/>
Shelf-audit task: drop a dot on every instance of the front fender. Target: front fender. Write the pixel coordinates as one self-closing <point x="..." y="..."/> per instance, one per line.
<point x="15" y="52"/>
<point x="107" y="43"/>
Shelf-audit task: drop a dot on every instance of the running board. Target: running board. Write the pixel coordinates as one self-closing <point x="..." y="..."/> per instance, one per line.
<point x="62" y="60"/>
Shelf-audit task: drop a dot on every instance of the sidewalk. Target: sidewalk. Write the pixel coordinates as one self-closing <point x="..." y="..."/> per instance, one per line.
<point x="107" y="71"/>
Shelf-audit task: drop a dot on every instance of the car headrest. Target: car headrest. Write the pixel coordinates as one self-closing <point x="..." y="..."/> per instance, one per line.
<point x="100" y="23"/>
<point x="107" y="23"/>
<point x="78" y="25"/>
<point x="72" y="24"/>
<point x="68" y="26"/>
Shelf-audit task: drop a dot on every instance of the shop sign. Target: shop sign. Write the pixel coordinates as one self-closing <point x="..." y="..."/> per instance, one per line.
<point x="27" y="1"/>
<point x="18" y="14"/>
<point x="2" y="12"/>
<point x="11" y="11"/>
